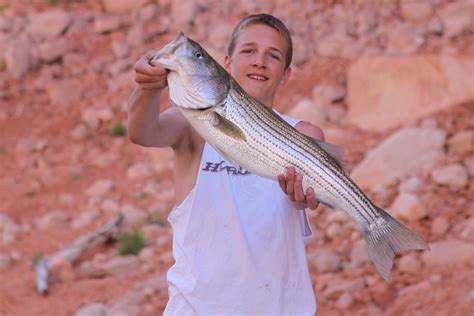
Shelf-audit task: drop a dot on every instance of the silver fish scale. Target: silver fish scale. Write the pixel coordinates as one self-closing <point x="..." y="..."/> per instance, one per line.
<point x="320" y="173"/>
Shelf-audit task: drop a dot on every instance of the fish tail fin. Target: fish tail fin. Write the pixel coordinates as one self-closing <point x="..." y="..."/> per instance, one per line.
<point x="390" y="238"/>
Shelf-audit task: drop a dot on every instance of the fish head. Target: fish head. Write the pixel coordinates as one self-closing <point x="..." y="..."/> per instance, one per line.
<point x="196" y="80"/>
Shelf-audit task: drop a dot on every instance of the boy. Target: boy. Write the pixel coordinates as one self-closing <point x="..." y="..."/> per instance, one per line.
<point x="238" y="239"/>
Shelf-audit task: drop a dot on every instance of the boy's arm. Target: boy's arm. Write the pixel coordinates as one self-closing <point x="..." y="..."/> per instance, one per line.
<point x="146" y="125"/>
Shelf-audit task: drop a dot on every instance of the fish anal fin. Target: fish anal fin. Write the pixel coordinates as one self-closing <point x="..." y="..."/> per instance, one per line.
<point x="325" y="203"/>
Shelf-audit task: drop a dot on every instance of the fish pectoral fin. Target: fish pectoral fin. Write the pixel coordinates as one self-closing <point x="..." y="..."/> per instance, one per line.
<point x="334" y="151"/>
<point x="227" y="127"/>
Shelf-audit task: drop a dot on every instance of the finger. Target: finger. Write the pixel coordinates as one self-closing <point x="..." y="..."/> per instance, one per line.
<point x="150" y="54"/>
<point x="311" y="199"/>
<point x="157" y="70"/>
<point x="141" y="78"/>
<point x="143" y="67"/>
<point x="151" y="86"/>
<point x="158" y="84"/>
<point x="299" y="194"/>
<point x="290" y="182"/>
<point x="282" y="182"/>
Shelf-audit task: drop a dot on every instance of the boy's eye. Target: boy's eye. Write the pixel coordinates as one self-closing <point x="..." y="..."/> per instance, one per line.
<point x="275" y="56"/>
<point x="247" y="50"/>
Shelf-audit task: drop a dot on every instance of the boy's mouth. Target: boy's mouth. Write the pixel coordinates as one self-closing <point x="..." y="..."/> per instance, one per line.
<point x="257" y="77"/>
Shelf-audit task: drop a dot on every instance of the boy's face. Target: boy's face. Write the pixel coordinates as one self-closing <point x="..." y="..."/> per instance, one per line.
<point x="258" y="62"/>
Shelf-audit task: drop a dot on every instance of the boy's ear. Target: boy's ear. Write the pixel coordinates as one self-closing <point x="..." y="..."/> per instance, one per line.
<point x="286" y="75"/>
<point x="227" y="62"/>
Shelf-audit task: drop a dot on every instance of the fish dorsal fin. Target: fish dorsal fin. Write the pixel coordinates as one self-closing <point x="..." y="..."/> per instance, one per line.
<point x="336" y="152"/>
<point x="227" y="127"/>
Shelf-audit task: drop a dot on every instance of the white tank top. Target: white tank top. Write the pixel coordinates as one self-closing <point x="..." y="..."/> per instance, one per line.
<point x="238" y="246"/>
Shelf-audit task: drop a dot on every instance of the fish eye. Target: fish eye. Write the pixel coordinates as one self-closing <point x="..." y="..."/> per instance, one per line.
<point x="198" y="54"/>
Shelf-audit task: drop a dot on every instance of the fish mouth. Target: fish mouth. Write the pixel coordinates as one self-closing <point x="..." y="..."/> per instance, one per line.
<point x="165" y="56"/>
<point x="257" y="77"/>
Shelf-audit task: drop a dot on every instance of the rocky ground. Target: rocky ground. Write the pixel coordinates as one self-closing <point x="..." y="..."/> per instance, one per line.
<point x="389" y="81"/>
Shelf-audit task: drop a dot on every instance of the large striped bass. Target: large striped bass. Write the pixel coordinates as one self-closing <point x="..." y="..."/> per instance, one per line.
<point x="251" y="135"/>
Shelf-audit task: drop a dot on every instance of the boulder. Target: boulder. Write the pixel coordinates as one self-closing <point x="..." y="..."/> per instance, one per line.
<point x="53" y="220"/>
<point x="402" y="39"/>
<point x="134" y="218"/>
<point x="54" y="50"/>
<point x="457" y="17"/>
<point x="100" y="187"/>
<point x="337" y="287"/>
<point x="107" y="23"/>
<point x="469" y="163"/>
<point x="415" y="10"/>
<point x="449" y="252"/>
<point x="435" y="26"/>
<point x="120" y="266"/>
<point x="407" y="152"/>
<point x="5" y="261"/>
<point x="345" y="301"/>
<point x="332" y="45"/>
<point x="18" y="58"/>
<point x="468" y="230"/>
<point x="409" y="264"/>
<point x="86" y="218"/>
<point x="454" y="176"/>
<point x="120" y="49"/>
<point x="93" y="117"/>
<point x="327" y="93"/>
<point x="95" y="309"/>
<point x="440" y="226"/>
<point x="123" y="6"/>
<point x="383" y="93"/>
<point x="183" y="13"/>
<point x="408" y="206"/>
<point x="359" y="254"/>
<point x="139" y="171"/>
<point x="49" y="24"/>
<point x="65" y="93"/>
<point x="109" y="206"/>
<point x="309" y="110"/>
<point x="411" y="185"/>
<point x="325" y="261"/>
<point x="462" y="142"/>
<point x="4" y="39"/>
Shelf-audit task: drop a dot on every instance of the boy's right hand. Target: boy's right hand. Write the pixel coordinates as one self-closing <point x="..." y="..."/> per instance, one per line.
<point x="150" y="77"/>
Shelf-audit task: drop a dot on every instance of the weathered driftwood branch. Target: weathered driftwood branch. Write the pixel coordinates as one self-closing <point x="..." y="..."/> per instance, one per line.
<point x="41" y="269"/>
<point x="73" y="251"/>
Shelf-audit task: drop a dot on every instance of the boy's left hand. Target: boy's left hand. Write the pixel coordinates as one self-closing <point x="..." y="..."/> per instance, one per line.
<point x="292" y="186"/>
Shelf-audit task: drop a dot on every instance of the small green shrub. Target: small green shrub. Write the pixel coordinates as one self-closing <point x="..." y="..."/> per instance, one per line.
<point x="157" y="221"/>
<point x="118" y="129"/>
<point x="36" y="258"/>
<point x="131" y="243"/>
<point x="30" y="194"/>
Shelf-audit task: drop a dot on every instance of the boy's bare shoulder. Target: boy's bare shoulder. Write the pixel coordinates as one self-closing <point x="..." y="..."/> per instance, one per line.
<point x="309" y="129"/>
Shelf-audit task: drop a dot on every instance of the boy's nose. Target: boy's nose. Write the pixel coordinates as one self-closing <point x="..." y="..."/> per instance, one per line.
<point x="259" y="60"/>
